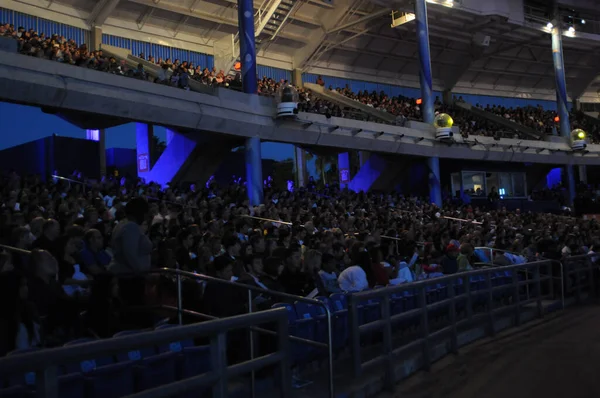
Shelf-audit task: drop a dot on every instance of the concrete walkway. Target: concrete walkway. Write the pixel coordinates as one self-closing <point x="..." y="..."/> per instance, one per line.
<point x="555" y="359"/>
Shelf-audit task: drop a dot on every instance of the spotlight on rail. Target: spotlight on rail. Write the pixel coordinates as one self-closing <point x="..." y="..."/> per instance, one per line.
<point x="549" y="25"/>
<point x="443" y="127"/>
<point x="287" y="101"/>
<point x="578" y="140"/>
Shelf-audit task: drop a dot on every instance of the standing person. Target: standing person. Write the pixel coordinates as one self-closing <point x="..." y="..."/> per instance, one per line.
<point x="132" y="252"/>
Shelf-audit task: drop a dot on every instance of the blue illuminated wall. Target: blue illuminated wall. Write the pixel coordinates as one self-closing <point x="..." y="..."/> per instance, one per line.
<point x="159" y="51"/>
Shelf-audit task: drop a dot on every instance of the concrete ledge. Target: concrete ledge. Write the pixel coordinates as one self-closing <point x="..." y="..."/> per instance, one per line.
<point x="8" y="44"/>
<point x="43" y="83"/>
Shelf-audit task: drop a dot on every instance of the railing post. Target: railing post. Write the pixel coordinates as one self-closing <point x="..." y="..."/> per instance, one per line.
<point x="562" y="285"/>
<point x="577" y="282"/>
<point x="538" y="290"/>
<point x="551" y="279"/>
<point x="388" y="380"/>
<point x="425" y="326"/>
<point x="591" y="273"/>
<point x="354" y="334"/>
<point x="218" y="356"/>
<point x="46" y="383"/>
<point x="179" y="299"/>
<point x="490" y="299"/>
<point x="469" y="304"/>
<point x="516" y="296"/>
<point x="252" y="375"/>
<point x="452" y="316"/>
<point x="284" y="366"/>
<point x="329" y="351"/>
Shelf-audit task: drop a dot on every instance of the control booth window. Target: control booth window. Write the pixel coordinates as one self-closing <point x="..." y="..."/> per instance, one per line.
<point x="480" y="184"/>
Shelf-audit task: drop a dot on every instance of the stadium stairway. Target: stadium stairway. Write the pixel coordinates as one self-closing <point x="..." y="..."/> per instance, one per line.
<point x="337" y="98"/>
<point x="529" y="133"/>
<point x="152" y="69"/>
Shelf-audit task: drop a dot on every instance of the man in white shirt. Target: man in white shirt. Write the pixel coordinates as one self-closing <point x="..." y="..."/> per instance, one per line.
<point x="353" y="279"/>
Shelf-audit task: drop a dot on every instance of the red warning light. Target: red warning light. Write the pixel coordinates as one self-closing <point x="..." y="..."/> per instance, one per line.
<point x="238" y="66"/>
<point x="556" y="119"/>
<point x="419" y="101"/>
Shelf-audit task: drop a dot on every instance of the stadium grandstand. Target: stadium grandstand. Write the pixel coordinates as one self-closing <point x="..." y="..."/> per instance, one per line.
<point x="443" y="190"/>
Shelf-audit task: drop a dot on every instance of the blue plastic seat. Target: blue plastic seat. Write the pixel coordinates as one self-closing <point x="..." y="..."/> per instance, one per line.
<point x="299" y="327"/>
<point x="86" y="366"/>
<point x="21" y="379"/>
<point x="150" y="369"/>
<point x="339" y="315"/>
<point x="192" y="360"/>
<point x="137" y="354"/>
<point x="114" y="380"/>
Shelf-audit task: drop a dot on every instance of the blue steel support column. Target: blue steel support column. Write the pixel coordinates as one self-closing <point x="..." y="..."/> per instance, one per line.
<point x="254" y="184"/>
<point x="248" y="61"/>
<point x="247" y="45"/>
<point x="561" y="100"/>
<point x="435" y="191"/>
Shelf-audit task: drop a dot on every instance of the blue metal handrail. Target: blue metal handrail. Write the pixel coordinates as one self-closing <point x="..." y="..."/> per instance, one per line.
<point x="46" y="362"/>
<point x="384" y="297"/>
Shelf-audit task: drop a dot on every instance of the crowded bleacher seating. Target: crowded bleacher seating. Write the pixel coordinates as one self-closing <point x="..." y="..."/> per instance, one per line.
<point x="80" y="259"/>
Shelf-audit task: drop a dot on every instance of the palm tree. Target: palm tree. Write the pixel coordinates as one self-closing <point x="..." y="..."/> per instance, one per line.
<point x="321" y="163"/>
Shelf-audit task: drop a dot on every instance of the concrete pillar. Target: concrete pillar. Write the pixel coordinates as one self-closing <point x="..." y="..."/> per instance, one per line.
<point x="102" y="152"/>
<point x="300" y="167"/>
<point x="95" y="38"/>
<point x="247" y="45"/>
<point x="561" y="99"/>
<point x="424" y="61"/>
<point x="344" y="169"/>
<point x="435" y="189"/>
<point x="447" y="97"/>
<point x="363" y="157"/>
<point x="297" y="77"/>
<point x="144" y="136"/>
<point x="583" y="174"/>
<point x="100" y="137"/>
<point x="254" y="181"/>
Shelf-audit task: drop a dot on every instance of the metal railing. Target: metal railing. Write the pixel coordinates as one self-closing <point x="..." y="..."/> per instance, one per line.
<point x="269" y="293"/>
<point x="45" y="363"/>
<point x="460" y="299"/>
<point x="580" y="274"/>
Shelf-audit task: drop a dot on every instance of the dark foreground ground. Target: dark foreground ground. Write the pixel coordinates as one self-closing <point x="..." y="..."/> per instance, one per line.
<point x="559" y="358"/>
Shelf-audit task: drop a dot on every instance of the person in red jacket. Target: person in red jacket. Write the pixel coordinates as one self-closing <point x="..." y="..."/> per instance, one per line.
<point x="380" y="275"/>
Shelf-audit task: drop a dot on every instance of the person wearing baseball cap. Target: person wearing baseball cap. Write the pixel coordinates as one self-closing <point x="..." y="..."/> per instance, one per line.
<point x="449" y="262"/>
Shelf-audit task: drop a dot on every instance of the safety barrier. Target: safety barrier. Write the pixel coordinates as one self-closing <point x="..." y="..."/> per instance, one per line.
<point x="258" y="291"/>
<point x="459" y="297"/>
<point x="45" y="363"/>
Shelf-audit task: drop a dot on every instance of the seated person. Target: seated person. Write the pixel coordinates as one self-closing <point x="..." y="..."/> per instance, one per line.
<point x="93" y="257"/>
<point x="328" y="275"/>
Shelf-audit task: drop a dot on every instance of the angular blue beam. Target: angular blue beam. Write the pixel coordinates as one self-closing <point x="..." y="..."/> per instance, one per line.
<point x="561" y="100"/>
<point x="254" y="179"/>
<point x="435" y="189"/>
